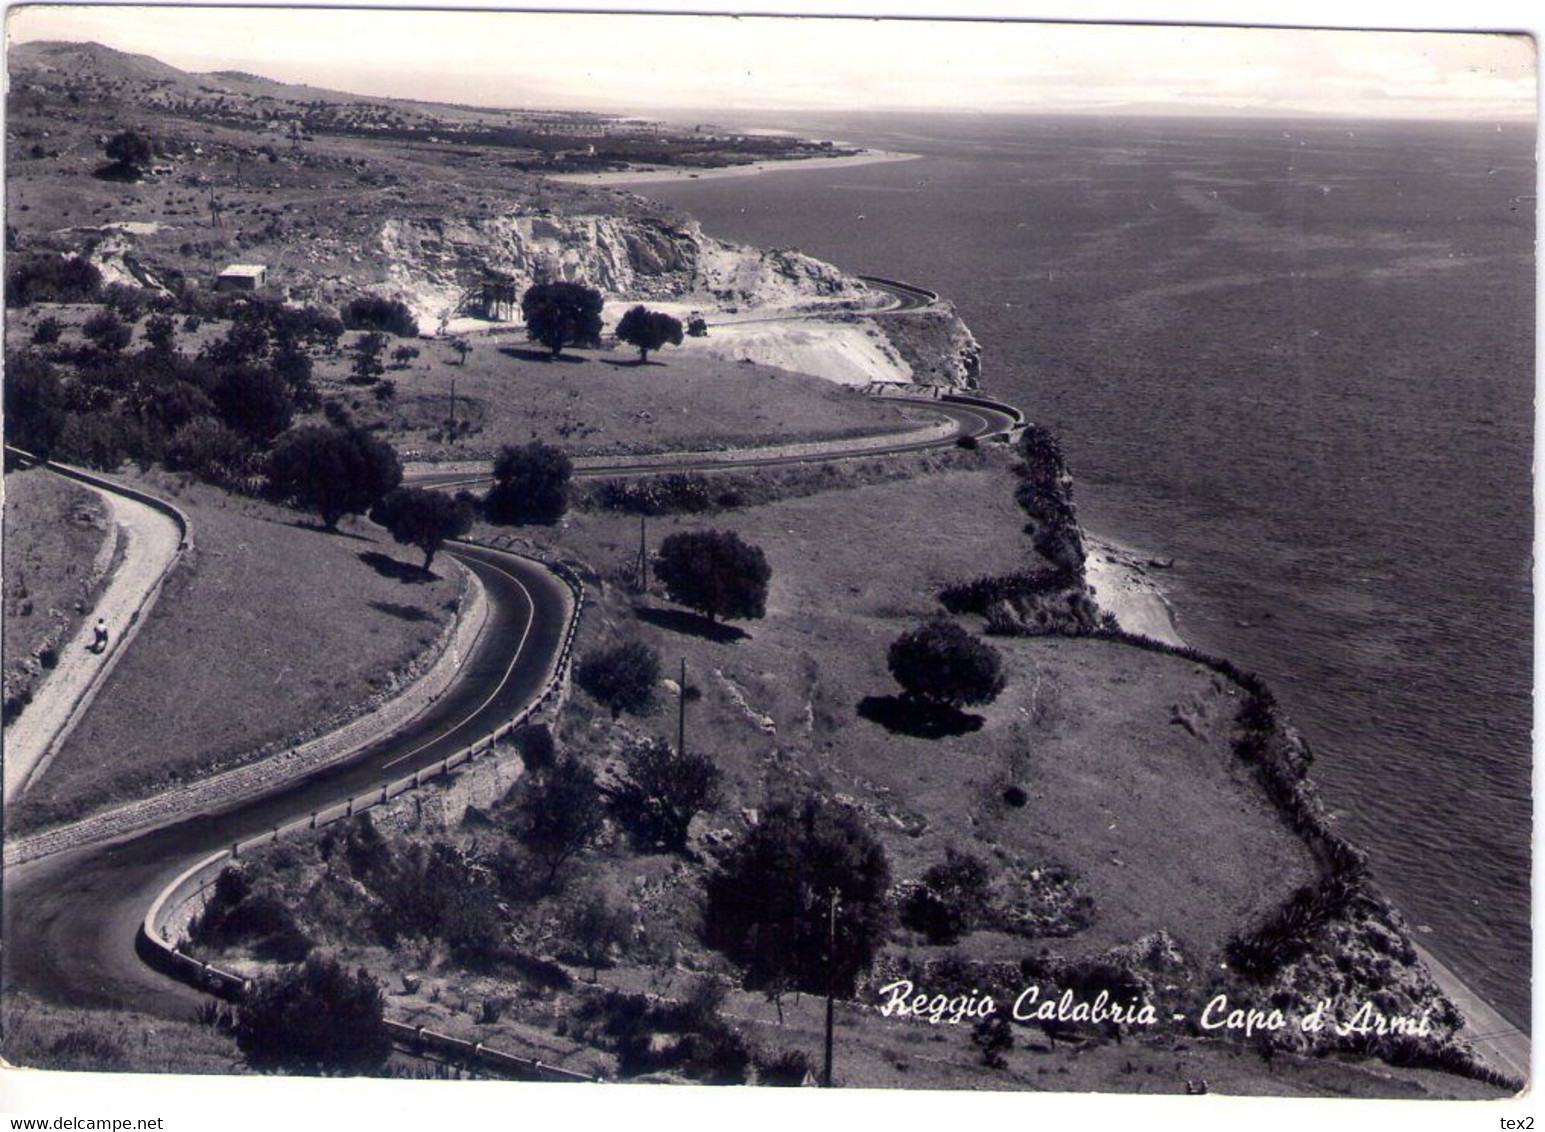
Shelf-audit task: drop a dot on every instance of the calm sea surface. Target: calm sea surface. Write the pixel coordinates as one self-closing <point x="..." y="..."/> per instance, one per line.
<point x="1298" y="358"/>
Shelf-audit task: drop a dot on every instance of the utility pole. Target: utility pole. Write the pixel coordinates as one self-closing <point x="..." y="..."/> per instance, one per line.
<point x="831" y="980"/>
<point x="681" y="714"/>
<point x="453" y="408"/>
<point x="641" y="568"/>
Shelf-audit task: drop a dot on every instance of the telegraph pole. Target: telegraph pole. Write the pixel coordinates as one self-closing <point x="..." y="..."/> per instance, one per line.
<point x="641" y="570"/>
<point x="681" y="714"/>
<point x="831" y="980"/>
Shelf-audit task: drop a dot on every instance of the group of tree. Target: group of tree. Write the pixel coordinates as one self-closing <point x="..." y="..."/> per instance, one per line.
<point x="569" y="314"/>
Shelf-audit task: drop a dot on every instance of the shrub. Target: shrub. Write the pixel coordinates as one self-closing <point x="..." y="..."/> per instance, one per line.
<point x="531" y="485"/>
<point x="47" y="331"/>
<point x="375" y="312"/>
<point x="715" y="573"/>
<point x="253" y="400"/>
<point x="34" y="402"/>
<point x="211" y="451"/>
<point x="622" y="678"/>
<point x="660" y="790"/>
<point x="673" y="494"/>
<point x="942" y="664"/>
<point x="52" y="279"/>
<point x="788" y="1068"/>
<point x="536" y="745"/>
<point x="107" y="331"/>
<point x="315" y="1019"/>
<point x="99" y="440"/>
<point x="951" y="899"/>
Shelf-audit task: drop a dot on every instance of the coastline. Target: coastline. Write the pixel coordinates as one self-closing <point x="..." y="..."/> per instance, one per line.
<point x="659" y="174"/>
<point x="1122" y="581"/>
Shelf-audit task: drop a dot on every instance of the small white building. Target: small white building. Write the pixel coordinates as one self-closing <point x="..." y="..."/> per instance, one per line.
<point x="242" y="277"/>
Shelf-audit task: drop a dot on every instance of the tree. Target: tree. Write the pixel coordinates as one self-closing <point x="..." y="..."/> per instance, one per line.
<point x="254" y="400"/>
<point x="622" y="678"/>
<point x="462" y="348"/>
<point x="939" y="663"/>
<point x="47" y="331"/>
<point x="715" y="573"/>
<point x="562" y="314"/>
<point x="416" y="516"/>
<point x="315" y="1018"/>
<point x="660" y="790"/>
<point x="332" y="471"/>
<point x="648" y="330"/>
<point x="129" y="152"/>
<point x="107" y="331"/>
<point x="559" y="815"/>
<point x="769" y="904"/>
<point x="596" y="924"/>
<point x="34" y="402"/>
<point x="367" y="358"/>
<point x="402" y="355"/>
<point x="531" y="484"/>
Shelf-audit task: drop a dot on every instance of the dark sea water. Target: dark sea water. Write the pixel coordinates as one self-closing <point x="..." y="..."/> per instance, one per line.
<point x="1298" y="357"/>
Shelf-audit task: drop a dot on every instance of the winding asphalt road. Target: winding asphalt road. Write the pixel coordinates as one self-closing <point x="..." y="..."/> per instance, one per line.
<point x="70" y="920"/>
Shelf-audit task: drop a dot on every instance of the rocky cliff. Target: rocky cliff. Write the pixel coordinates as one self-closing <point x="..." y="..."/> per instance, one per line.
<point x="435" y="263"/>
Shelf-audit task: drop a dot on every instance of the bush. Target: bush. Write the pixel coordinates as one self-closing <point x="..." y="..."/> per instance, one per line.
<point x="787" y="1068"/>
<point x="622" y="678"/>
<point x="211" y="451"/>
<point x="951" y="899"/>
<point x="315" y="1019"/>
<point x="99" y="440"/>
<point x="34" y="402"/>
<point x="660" y="790"/>
<point x="942" y="664"/>
<point x="52" y="279"/>
<point x="536" y="745"/>
<point x="977" y="595"/>
<point x="531" y="485"/>
<point x="715" y="573"/>
<point x="254" y="401"/>
<point x="47" y="331"/>
<point x="673" y="494"/>
<point x="375" y="312"/>
<point x="107" y="331"/>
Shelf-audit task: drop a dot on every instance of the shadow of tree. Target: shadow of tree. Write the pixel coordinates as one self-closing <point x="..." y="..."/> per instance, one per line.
<point x="916" y="718"/>
<point x="630" y="363"/>
<point x="526" y="354"/>
<point x="315" y="526"/>
<point x="389" y="567"/>
<point x="412" y="613"/>
<point x="692" y="624"/>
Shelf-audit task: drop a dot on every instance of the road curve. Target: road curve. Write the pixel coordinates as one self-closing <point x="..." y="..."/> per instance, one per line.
<point x="70" y="920"/>
<point x="977" y="421"/>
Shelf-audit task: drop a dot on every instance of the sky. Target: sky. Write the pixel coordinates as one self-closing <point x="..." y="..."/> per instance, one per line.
<point x="636" y="62"/>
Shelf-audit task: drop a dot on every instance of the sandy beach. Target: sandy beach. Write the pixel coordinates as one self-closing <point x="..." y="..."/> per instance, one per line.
<point x="1123" y="582"/>
<point x="643" y="176"/>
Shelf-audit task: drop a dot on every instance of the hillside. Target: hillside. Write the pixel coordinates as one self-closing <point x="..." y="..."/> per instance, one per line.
<point x="339" y="194"/>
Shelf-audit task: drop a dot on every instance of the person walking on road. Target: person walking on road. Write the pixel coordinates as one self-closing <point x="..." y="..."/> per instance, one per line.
<point x="99" y="637"/>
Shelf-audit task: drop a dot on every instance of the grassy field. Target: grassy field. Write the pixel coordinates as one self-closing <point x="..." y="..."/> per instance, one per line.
<point x="600" y="402"/>
<point x="1125" y="755"/>
<point x="39" y="1035"/>
<point x="272" y="628"/>
<point x="54" y="531"/>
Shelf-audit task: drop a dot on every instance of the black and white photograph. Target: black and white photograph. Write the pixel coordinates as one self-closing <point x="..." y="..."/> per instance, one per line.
<point x="548" y="550"/>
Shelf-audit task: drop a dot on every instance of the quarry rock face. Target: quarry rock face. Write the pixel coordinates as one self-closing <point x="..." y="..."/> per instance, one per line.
<point x="437" y="264"/>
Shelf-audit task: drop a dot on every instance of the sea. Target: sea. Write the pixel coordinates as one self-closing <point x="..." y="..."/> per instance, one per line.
<point x="1297" y="358"/>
